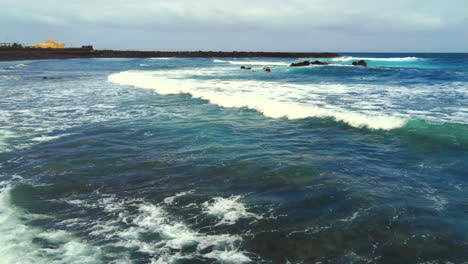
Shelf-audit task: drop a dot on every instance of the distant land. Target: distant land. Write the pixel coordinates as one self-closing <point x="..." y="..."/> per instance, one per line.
<point x="7" y="54"/>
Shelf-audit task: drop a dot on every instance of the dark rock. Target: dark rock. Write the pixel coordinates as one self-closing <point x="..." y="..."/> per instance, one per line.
<point x="319" y="63"/>
<point x="300" y="64"/>
<point x="245" y="68"/>
<point x="88" y="47"/>
<point x="267" y="69"/>
<point x="360" y="63"/>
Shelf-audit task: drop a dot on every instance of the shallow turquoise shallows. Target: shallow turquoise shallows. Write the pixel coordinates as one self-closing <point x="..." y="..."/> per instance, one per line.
<point x="178" y="160"/>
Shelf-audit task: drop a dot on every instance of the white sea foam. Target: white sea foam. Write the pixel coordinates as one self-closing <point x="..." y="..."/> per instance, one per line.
<point x="439" y="202"/>
<point x="44" y="138"/>
<point x="129" y="226"/>
<point x="350" y="58"/>
<point x="48" y="117"/>
<point x="228" y="257"/>
<point x="17" y="239"/>
<point x="273" y="99"/>
<point x="21" y="65"/>
<point x="5" y="137"/>
<point x="260" y="63"/>
<point x="228" y="210"/>
<point x="170" y="200"/>
<point x="113" y="59"/>
<point x="351" y="218"/>
<point x="161" y="58"/>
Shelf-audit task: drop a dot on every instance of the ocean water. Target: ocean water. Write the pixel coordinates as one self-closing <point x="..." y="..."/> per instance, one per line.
<point x="179" y="160"/>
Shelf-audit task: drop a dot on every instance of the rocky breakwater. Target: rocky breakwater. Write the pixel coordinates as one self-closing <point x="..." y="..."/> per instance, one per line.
<point x="72" y="53"/>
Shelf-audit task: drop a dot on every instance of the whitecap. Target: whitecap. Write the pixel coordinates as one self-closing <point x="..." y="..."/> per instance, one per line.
<point x="351" y="218"/>
<point x="350" y="58"/>
<point x="261" y="63"/>
<point x="273" y="99"/>
<point x="44" y="138"/>
<point x="133" y="218"/>
<point x="5" y="137"/>
<point x="17" y="239"/>
<point x="162" y="58"/>
<point x="170" y="200"/>
<point x="228" y="210"/>
<point x="228" y="256"/>
<point x="21" y="65"/>
<point x="439" y="202"/>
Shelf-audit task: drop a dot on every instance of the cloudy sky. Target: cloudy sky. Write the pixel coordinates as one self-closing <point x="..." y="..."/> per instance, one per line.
<point x="247" y="25"/>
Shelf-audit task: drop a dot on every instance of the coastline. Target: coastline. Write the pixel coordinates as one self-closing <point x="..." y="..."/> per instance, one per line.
<point x="178" y="146"/>
<point x="42" y="54"/>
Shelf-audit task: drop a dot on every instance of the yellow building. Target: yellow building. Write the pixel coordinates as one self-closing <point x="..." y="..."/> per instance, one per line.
<point x="50" y="44"/>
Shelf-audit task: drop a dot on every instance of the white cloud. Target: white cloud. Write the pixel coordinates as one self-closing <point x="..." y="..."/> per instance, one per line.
<point x="397" y="14"/>
<point x="295" y="25"/>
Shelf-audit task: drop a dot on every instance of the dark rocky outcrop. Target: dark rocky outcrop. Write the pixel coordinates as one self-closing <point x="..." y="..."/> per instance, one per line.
<point x="245" y="68"/>
<point x="267" y="69"/>
<point x="48" y="78"/>
<point x="88" y="47"/>
<point x="360" y="63"/>
<point x="319" y="63"/>
<point x="300" y="64"/>
<point x="307" y="63"/>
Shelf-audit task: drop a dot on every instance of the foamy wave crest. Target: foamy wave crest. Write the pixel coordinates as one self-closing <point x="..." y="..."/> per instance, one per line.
<point x="18" y="239"/>
<point x="17" y="66"/>
<point x="273" y="99"/>
<point x="346" y="58"/>
<point x="228" y="210"/>
<point x="135" y="219"/>
<point x="44" y="138"/>
<point x="228" y="257"/>
<point x="260" y="63"/>
<point x="171" y="199"/>
<point x="161" y="58"/>
<point x="5" y="137"/>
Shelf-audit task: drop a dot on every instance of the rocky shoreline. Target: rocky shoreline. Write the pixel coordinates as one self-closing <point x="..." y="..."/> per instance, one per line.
<point x="40" y="54"/>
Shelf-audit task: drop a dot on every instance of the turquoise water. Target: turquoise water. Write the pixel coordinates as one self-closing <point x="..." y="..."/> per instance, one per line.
<point x="179" y="160"/>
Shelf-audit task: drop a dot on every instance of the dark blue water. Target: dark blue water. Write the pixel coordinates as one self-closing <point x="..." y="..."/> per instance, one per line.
<point x="196" y="161"/>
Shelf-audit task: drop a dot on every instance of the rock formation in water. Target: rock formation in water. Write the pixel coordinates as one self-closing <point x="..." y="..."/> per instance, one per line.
<point x="360" y="63"/>
<point x="300" y="64"/>
<point x="319" y="63"/>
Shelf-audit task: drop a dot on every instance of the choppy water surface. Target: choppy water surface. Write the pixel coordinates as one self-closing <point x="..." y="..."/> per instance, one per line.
<point x="196" y="161"/>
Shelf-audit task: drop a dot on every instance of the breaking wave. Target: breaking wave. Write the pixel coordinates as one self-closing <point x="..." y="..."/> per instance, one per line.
<point x="14" y="67"/>
<point x="136" y="219"/>
<point x="227" y="210"/>
<point x="350" y="58"/>
<point x="19" y="240"/>
<point x="259" y="63"/>
<point x="127" y="224"/>
<point x="162" y="58"/>
<point x="270" y="98"/>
